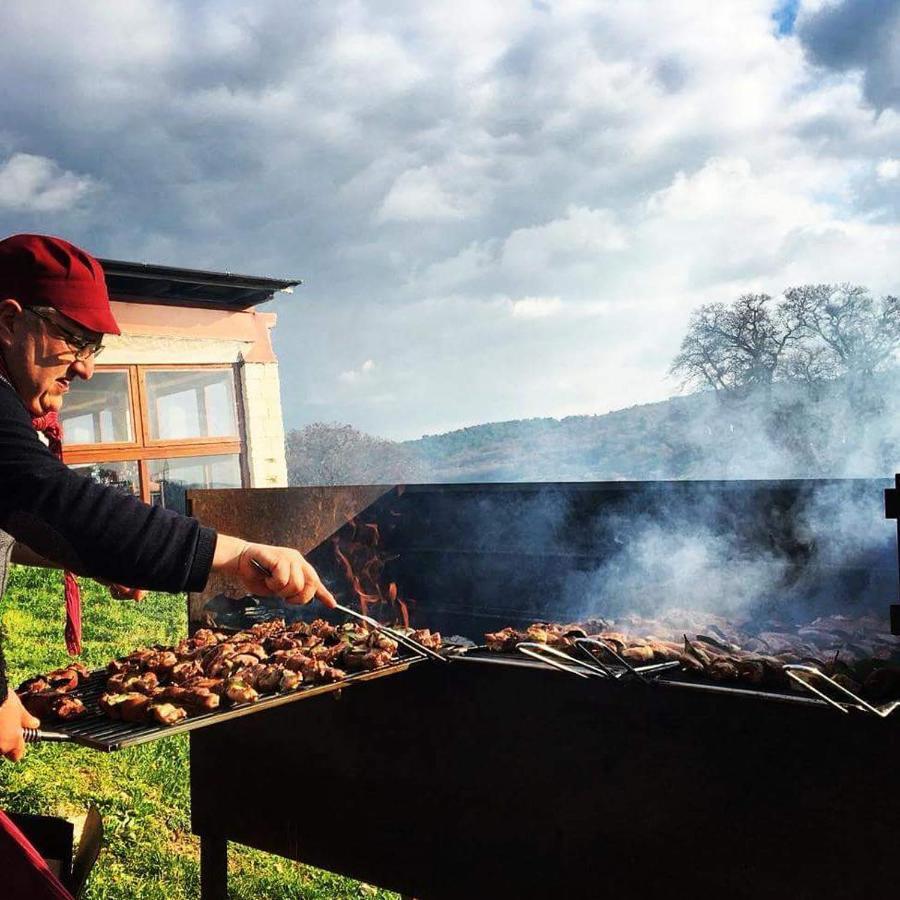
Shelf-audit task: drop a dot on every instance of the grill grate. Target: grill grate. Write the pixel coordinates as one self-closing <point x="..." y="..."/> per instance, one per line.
<point x="99" y="732"/>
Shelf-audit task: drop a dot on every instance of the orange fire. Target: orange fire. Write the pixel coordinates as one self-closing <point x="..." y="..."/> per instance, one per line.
<point x="362" y="562"/>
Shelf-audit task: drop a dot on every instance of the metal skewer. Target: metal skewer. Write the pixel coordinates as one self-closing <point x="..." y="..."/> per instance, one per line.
<point x="546" y="654"/>
<point x="408" y="642"/>
<point x="792" y="669"/>
<point x="588" y="646"/>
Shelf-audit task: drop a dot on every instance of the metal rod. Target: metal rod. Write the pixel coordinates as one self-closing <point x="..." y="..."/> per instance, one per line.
<point x="543" y="653"/>
<point x="792" y="668"/>
<point x="408" y="642"/>
<point x="584" y="643"/>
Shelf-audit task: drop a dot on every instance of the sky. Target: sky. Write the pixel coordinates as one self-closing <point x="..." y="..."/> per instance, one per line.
<point x="498" y="210"/>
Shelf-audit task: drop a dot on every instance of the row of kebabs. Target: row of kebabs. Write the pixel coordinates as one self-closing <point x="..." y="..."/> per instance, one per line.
<point x="714" y="657"/>
<point x="165" y="684"/>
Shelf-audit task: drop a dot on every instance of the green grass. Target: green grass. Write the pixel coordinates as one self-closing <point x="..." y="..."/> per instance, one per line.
<point x="142" y="793"/>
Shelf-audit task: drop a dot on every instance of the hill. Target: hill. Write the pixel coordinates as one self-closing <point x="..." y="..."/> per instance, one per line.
<point x="789" y="431"/>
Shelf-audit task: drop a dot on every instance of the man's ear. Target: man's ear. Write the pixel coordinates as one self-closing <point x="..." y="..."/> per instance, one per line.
<point x="10" y="310"/>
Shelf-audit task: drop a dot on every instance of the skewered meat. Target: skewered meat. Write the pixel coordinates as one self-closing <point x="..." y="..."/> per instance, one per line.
<point x="855" y="653"/>
<point x="200" y="671"/>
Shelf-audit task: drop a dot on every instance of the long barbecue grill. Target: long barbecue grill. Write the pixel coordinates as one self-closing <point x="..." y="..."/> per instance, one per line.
<point x="503" y="777"/>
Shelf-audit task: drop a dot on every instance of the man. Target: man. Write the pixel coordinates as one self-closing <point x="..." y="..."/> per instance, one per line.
<point x="54" y="311"/>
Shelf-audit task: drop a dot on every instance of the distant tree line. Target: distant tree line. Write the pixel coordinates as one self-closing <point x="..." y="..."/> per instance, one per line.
<point x="813" y="334"/>
<point x="331" y="453"/>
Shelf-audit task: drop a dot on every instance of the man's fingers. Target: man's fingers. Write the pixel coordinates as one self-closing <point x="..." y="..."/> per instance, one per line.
<point x="29" y="721"/>
<point x="325" y="596"/>
<point x="17" y="751"/>
<point x="280" y="577"/>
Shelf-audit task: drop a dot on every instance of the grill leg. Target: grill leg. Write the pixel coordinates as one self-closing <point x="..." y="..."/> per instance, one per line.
<point x="213" y="868"/>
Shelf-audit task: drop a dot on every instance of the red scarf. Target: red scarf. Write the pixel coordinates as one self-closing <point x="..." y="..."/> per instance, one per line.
<point x="49" y="425"/>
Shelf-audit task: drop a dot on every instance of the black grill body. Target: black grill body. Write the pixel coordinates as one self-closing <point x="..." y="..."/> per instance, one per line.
<point x="485" y="780"/>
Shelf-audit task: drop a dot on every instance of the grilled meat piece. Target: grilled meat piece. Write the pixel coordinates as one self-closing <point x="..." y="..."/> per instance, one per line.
<point x="161" y="663"/>
<point x="213" y="685"/>
<point x="124" y="683"/>
<point x="360" y="659"/>
<point x="638" y="655"/>
<point x="237" y="691"/>
<point x="204" y="637"/>
<point x="33" y="685"/>
<point x="167" y="713"/>
<point x="262" y="678"/>
<point x="377" y="640"/>
<point x="503" y="641"/>
<point x="63" y="679"/>
<point x="330" y="655"/>
<point x="289" y="681"/>
<point x="68" y="708"/>
<point x="49" y="703"/>
<point x="251" y="648"/>
<point x="134" y="707"/>
<point x="196" y="699"/>
<point x="111" y="704"/>
<point x="283" y="642"/>
<point x="883" y="684"/>
<point x="184" y="671"/>
<point x="432" y="639"/>
<point x="323" y="629"/>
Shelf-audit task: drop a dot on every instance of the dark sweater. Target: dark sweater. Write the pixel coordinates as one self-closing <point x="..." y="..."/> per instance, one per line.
<point x="90" y="528"/>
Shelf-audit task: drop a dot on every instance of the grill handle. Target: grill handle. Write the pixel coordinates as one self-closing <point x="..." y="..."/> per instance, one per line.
<point x="38" y="735"/>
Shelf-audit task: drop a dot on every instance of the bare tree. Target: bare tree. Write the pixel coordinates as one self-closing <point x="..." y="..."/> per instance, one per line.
<point x="739" y="345"/>
<point x="323" y="454"/>
<point x="844" y="330"/>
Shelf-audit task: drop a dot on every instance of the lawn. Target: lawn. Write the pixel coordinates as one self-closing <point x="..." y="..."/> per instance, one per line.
<point x="142" y="793"/>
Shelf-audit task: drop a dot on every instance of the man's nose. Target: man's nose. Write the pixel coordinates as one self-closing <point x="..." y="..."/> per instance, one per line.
<point x="83" y="368"/>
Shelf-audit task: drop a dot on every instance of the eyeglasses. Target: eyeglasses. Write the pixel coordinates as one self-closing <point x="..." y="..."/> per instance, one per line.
<point x="83" y="348"/>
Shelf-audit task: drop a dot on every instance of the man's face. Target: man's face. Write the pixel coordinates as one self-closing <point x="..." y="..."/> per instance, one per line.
<point x="38" y="353"/>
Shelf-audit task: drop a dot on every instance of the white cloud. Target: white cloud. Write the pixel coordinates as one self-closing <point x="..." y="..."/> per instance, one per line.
<point x="888" y="169"/>
<point x="352" y="376"/>
<point x="30" y="183"/>
<point x="418" y="196"/>
<point x="439" y="174"/>
<point x="536" y="307"/>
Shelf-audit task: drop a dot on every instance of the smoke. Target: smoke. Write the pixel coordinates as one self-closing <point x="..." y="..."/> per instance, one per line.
<point x="782" y="552"/>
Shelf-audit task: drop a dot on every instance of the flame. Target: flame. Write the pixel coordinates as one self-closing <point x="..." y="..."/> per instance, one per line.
<point x="357" y="551"/>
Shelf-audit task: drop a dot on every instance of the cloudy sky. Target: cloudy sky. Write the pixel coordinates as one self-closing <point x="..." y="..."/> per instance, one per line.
<point x="499" y="210"/>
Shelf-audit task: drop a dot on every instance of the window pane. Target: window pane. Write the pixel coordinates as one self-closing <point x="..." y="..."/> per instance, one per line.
<point x="98" y="411"/>
<point x="122" y="475"/>
<point x="190" y="404"/>
<point x="170" y="478"/>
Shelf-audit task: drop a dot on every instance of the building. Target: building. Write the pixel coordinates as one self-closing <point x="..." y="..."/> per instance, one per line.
<point x="188" y="395"/>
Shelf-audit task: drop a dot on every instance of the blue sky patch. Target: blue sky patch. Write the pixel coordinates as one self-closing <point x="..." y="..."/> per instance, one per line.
<point x="785" y="15"/>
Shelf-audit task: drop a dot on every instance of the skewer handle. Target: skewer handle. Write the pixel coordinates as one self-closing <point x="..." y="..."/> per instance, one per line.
<point x="37" y="735"/>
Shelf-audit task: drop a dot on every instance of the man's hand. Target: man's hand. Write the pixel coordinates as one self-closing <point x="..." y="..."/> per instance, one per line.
<point x="121" y="591"/>
<point x="293" y="578"/>
<point x="13" y="718"/>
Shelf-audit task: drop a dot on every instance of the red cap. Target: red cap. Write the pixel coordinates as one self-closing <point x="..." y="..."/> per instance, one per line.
<point x="39" y="270"/>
